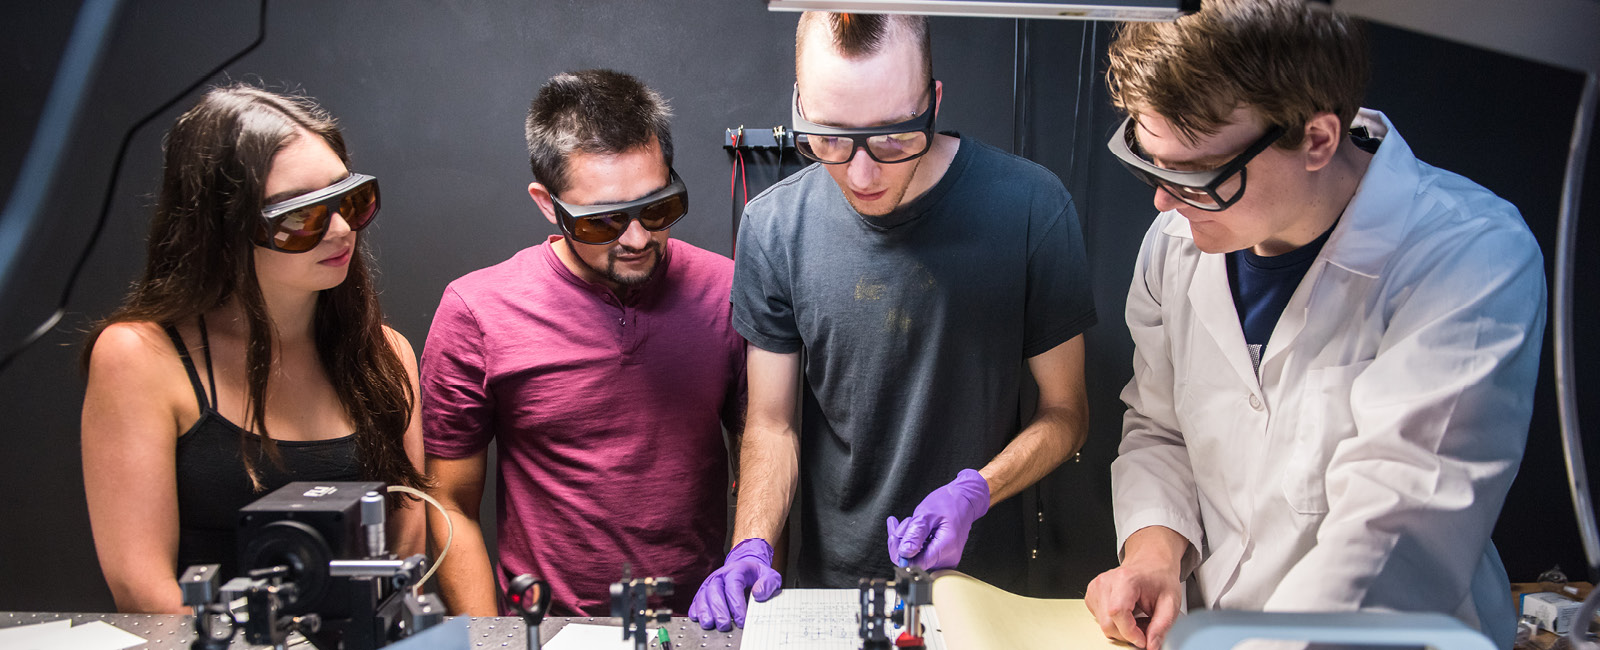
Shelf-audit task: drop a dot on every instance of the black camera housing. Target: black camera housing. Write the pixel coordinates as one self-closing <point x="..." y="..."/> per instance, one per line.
<point x="305" y="525"/>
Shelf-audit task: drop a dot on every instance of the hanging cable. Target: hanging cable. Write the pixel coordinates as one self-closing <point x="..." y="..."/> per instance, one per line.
<point x="1027" y="92"/>
<point x="780" y="136"/>
<point x="111" y="185"/>
<point x="739" y="175"/>
<point x="1020" y="88"/>
<point x="1088" y="178"/>
<point x="1077" y="105"/>
<point x="1561" y="317"/>
<point x="1085" y="103"/>
<point x="736" y="136"/>
<point x="744" y="179"/>
<point x="449" y="533"/>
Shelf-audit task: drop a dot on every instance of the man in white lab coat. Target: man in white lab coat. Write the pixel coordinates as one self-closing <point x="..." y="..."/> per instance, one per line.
<point x="1335" y="343"/>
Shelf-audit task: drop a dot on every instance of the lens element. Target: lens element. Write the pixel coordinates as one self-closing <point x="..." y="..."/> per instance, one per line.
<point x="301" y="230"/>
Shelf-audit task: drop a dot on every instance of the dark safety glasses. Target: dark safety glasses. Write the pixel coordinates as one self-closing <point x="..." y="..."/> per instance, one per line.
<point x="1212" y="190"/>
<point x="891" y="143"/>
<point x="298" y="224"/>
<point x="604" y="223"/>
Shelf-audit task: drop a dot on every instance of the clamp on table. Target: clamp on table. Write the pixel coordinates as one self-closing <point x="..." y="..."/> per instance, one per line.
<point x="915" y="589"/>
<point x="530" y="606"/>
<point x="630" y="600"/>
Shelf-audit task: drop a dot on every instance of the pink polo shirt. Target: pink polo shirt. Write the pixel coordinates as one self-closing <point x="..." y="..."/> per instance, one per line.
<point x="607" y="416"/>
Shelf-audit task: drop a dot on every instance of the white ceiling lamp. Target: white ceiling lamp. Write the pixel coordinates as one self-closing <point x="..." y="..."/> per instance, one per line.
<point x="1121" y="10"/>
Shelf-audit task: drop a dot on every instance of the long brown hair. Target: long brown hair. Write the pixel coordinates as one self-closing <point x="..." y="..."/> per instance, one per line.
<point x="200" y="255"/>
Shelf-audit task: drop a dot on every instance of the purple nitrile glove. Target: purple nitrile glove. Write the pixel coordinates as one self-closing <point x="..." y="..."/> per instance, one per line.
<point x="936" y="532"/>
<point x="720" y="601"/>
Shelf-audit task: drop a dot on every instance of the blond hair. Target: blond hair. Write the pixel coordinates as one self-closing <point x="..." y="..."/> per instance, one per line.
<point x="1279" y="58"/>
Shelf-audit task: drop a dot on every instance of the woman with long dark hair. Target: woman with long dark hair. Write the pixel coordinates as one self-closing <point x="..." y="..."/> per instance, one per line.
<point x="251" y="353"/>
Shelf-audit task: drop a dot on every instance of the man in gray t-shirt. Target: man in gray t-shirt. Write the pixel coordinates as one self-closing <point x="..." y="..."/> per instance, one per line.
<point x="918" y="272"/>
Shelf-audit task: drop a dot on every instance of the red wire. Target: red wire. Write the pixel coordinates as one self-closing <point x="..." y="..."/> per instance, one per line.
<point x="738" y="176"/>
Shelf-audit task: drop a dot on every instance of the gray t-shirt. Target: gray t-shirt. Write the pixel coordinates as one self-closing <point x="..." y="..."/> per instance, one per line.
<point x="915" y="326"/>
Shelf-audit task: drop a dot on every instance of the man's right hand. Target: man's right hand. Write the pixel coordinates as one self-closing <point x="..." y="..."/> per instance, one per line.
<point x="1147" y="582"/>
<point x="720" y="603"/>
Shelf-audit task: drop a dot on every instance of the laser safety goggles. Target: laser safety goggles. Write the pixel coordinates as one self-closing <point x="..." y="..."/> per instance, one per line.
<point x="1212" y="190"/>
<point x="890" y="143"/>
<point x="603" y="223"/>
<point x="298" y="224"/>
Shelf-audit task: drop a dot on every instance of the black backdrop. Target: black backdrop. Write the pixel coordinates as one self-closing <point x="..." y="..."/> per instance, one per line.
<point x="432" y="96"/>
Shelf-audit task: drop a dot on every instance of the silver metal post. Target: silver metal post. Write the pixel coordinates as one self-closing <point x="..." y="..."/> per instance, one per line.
<point x="913" y="620"/>
<point x="372" y="520"/>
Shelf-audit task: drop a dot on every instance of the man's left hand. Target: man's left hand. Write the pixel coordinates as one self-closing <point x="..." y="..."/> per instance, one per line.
<point x="936" y="532"/>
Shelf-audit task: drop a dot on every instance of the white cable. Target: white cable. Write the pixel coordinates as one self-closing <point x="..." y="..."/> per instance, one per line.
<point x="1561" y="324"/>
<point x="449" y="537"/>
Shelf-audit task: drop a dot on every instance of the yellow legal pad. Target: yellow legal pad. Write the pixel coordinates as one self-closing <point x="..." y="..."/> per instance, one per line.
<point x="976" y="616"/>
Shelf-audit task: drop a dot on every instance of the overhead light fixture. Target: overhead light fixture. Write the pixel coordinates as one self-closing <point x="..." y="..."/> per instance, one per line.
<point x="1122" y="10"/>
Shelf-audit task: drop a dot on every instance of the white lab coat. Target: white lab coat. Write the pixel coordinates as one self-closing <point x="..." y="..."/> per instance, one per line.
<point x="1367" y="465"/>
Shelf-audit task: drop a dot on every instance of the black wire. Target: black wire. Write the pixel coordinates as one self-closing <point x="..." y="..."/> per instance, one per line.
<point x="1016" y="74"/>
<point x="1094" y="46"/>
<point x="781" y="148"/>
<point x="733" y="200"/>
<point x="1089" y="116"/>
<point x="1021" y="117"/>
<point x="1027" y="93"/>
<point x="1077" y="104"/>
<point x="111" y="185"/>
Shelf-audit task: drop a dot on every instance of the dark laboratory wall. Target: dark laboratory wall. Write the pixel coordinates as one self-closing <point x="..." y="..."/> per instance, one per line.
<point x="432" y="97"/>
<point x="1507" y="124"/>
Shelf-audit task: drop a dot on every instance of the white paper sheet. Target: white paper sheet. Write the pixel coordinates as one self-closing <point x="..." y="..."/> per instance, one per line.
<point x="449" y="635"/>
<point x="96" y="635"/>
<point x="577" y="636"/>
<point x="816" y="619"/>
<point x="804" y="619"/>
<point x="14" y="637"/>
<point x="979" y="616"/>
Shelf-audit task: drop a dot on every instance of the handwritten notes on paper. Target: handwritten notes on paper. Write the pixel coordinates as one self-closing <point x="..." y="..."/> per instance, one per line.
<point x="818" y="619"/>
<point x="966" y="613"/>
<point x="804" y="619"/>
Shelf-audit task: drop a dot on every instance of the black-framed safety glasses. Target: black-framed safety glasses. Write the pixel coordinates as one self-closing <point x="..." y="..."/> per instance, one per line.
<point x="604" y="223"/>
<point x="298" y="224"/>
<point x="890" y="143"/>
<point x="1212" y="190"/>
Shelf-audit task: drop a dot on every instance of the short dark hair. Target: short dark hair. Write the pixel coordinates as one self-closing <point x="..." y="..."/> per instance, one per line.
<point x="593" y="111"/>
<point x="858" y="36"/>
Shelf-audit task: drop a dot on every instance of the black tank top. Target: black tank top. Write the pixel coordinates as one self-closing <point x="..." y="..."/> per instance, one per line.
<point x="212" y="483"/>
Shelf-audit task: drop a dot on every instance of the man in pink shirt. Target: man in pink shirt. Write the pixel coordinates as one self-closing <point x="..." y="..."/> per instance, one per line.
<point x="601" y="363"/>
